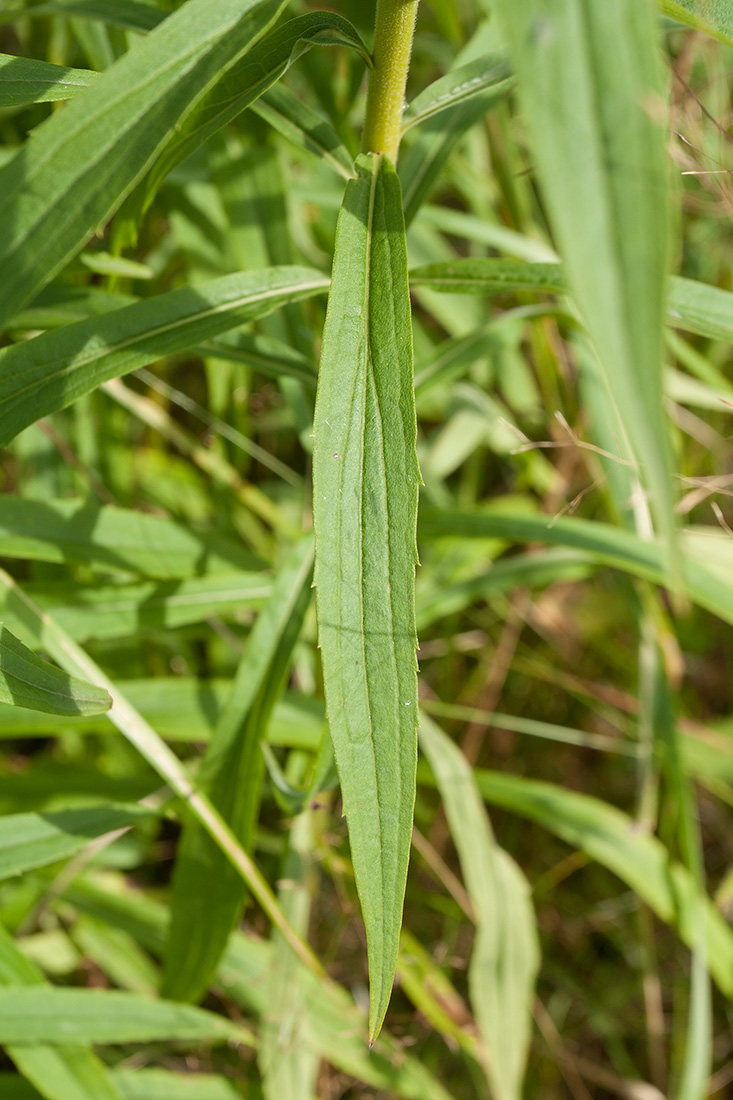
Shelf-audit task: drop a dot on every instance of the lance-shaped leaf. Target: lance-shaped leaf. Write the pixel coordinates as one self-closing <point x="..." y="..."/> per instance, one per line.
<point x="207" y="893"/>
<point x="80" y="164"/>
<point x="505" y="957"/>
<point x="27" y="681"/>
<point x="593" y="90"/>
<point x="139" y="15"/>
<point x="304" y="127"/>
<point x="24" y="81"/>
<point x="45" y="374"/>
<point x="365" y="479"/>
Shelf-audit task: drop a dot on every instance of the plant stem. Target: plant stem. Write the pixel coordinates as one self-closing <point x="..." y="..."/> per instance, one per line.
<point x="394" y="28"/>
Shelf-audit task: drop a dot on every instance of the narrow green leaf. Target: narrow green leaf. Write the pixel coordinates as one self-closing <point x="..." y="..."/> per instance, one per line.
<point x="713" y="17"/>
<point x="485" y="276"/>
<point x="288" y="1062"/>
<point x="116" y="539"/>
<point x="66" y="182"/>
<point x="35" y="840"/>
<point x="47" y="373"/>
<point x="207" y="893"/>
<point x="24" y="81"/>
<point x="240" y="86"/>
<point x="304" y="127"/>
<point x="593" y="91"/>
<point x="366" y="477"/>
<point x="458" y="86"/>
<point x="640" y="860"/>
<point x="56" y="1017"/>
<point x="421" y="164"/>
<point x="705" y="559"/>
<point x="505" y="958"/>
<point x="128" y="610"/>
<point x="137" y="15"/>
<point x="27" y="681"/>
<point x="69" y="1072"/>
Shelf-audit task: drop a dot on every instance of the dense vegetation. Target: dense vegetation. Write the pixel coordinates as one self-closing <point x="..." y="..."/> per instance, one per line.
<point x="220" y="288"/>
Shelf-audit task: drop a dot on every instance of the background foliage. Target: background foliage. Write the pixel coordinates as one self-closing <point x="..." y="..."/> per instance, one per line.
<point x="166" y="243"/>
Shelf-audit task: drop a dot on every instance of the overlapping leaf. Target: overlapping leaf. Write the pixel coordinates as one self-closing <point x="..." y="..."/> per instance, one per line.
<point x="79" y="165"/>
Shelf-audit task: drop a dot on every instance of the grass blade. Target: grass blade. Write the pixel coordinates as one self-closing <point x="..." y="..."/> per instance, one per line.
<point x="640" y="860"/>
<point x="35" y="840"/>
<point x="593" y="91"/>
<point x="27" y="681"/>
<point x="61" y="186"/>
<point x="113" y="539"/>
<point x="56" y="1017"/>
<point x="64" y="1073"/>
<point x="505" y="958"/>
<point x="135" y="14"/>
<point x="207" y="894"/>
<point x="366" y="478"/>
<point x="621" y="549"/>
<point x="47" y="373"/>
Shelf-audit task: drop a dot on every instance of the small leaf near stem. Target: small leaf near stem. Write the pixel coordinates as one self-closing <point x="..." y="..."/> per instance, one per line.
<point x="394" y="28"/>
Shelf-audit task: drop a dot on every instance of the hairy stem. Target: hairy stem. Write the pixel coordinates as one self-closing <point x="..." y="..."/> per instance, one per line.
<point x="395" y="25"/>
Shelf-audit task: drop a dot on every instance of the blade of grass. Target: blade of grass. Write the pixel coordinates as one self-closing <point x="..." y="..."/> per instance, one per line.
<point x="207" y="894"/>
<point x="35" y="840"/>
<point x="505" y="959"/>
<point x="65" y="183"/>
<point x="70" y="1072"/>
<point x="158" y="755"/>
<point x="366" y="478"/>
<point x="592" y="88"/>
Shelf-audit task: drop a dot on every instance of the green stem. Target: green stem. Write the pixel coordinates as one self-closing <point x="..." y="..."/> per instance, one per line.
<point x="393" y="33"/>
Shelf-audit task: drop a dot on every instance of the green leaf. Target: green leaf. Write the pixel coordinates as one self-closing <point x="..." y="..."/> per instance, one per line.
<point x="506" y="956"/>
<point x="485" y="276"/>
<point x="713" y="17"/>
<point x="138" y="15"/>
<point x="592" y="87"/>
<point x="68" y="1073"/>
<point x="365" y="478"/>
<point x="304" y="127"/>
<point x="640" y="860"/>
<point x="239" y="87"/>
<point x="27" y="681"/>
<point x="129" y="610"/>
<point x="458" y="86"/>
<point x="56" y="1017"/>
<point x="66" y="181"/>
<point x="24" y="81"/>
<point x="113" y="539"/>
<point x="47" y="373"/>
<point x="35" y="840"/>
<point x="421" y="163"/>
<point x="706" y="558"/>
<point x="207" y="893"/>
